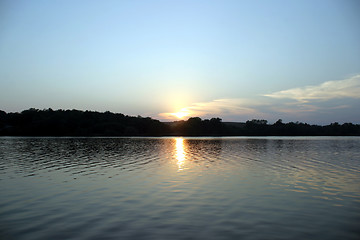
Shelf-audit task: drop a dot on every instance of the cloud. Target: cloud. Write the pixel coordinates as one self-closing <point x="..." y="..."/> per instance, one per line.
<point x="330" y="99"/>
<point x="348" y="88"/>
<point x="216" y="108"/>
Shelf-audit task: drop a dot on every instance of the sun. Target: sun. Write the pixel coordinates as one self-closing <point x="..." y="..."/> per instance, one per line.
<point x="181" y="114"/>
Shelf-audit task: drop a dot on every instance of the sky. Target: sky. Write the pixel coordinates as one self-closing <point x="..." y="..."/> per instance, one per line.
<point x="170" y="60"/>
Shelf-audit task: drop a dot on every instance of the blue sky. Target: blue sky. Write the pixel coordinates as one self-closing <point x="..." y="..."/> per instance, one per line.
<point x="237" y="60"/>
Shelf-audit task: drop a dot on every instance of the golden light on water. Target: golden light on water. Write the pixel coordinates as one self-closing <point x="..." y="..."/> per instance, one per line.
<point x="180" y="153"/>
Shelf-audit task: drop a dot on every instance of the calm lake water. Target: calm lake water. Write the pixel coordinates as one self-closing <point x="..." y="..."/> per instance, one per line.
<point x="180" y="188"/>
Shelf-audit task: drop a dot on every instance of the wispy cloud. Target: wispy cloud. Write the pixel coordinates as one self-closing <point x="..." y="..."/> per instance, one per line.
<point x="296" y="104"/>
<point x="218" y="107"/>
<point x="348" y="88"/>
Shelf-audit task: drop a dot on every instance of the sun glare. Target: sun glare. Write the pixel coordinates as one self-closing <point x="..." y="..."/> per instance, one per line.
<point x="180" y="114"/>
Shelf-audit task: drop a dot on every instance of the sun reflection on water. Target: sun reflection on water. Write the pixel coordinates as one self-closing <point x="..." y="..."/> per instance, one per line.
<point x="180" y="153"/>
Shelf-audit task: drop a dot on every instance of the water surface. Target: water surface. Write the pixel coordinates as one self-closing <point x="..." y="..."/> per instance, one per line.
<point x="180" y="188"/>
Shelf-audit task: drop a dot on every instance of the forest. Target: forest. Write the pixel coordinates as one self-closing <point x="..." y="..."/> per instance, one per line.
<point x="47" y="122"/>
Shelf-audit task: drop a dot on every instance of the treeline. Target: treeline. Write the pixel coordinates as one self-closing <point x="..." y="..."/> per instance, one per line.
<point x="262" y="128"/>
<point x="34" y="122"/>
<point x="47" y="122"/>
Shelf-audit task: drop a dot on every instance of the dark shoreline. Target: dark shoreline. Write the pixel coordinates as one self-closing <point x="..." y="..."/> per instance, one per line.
<point x="75" y="123"/>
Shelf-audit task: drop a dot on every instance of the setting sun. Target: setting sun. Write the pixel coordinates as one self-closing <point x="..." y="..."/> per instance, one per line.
<point x="180" y="114"/>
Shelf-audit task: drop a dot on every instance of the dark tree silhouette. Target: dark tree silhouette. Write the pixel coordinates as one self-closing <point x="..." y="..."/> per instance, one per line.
<point x="47" y="122"/>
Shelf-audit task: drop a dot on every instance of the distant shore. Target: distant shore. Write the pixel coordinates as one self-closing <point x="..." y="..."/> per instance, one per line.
<point x="48" y="122"/>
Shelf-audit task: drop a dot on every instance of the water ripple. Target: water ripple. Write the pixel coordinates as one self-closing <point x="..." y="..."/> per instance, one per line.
<point x="171" y="188"/>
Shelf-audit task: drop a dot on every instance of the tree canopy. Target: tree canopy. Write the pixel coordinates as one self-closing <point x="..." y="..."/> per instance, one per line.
<point x="47" y="122"/>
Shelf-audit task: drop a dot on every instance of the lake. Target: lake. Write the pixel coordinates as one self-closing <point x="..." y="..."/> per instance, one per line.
<point x="180" y="188"/>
